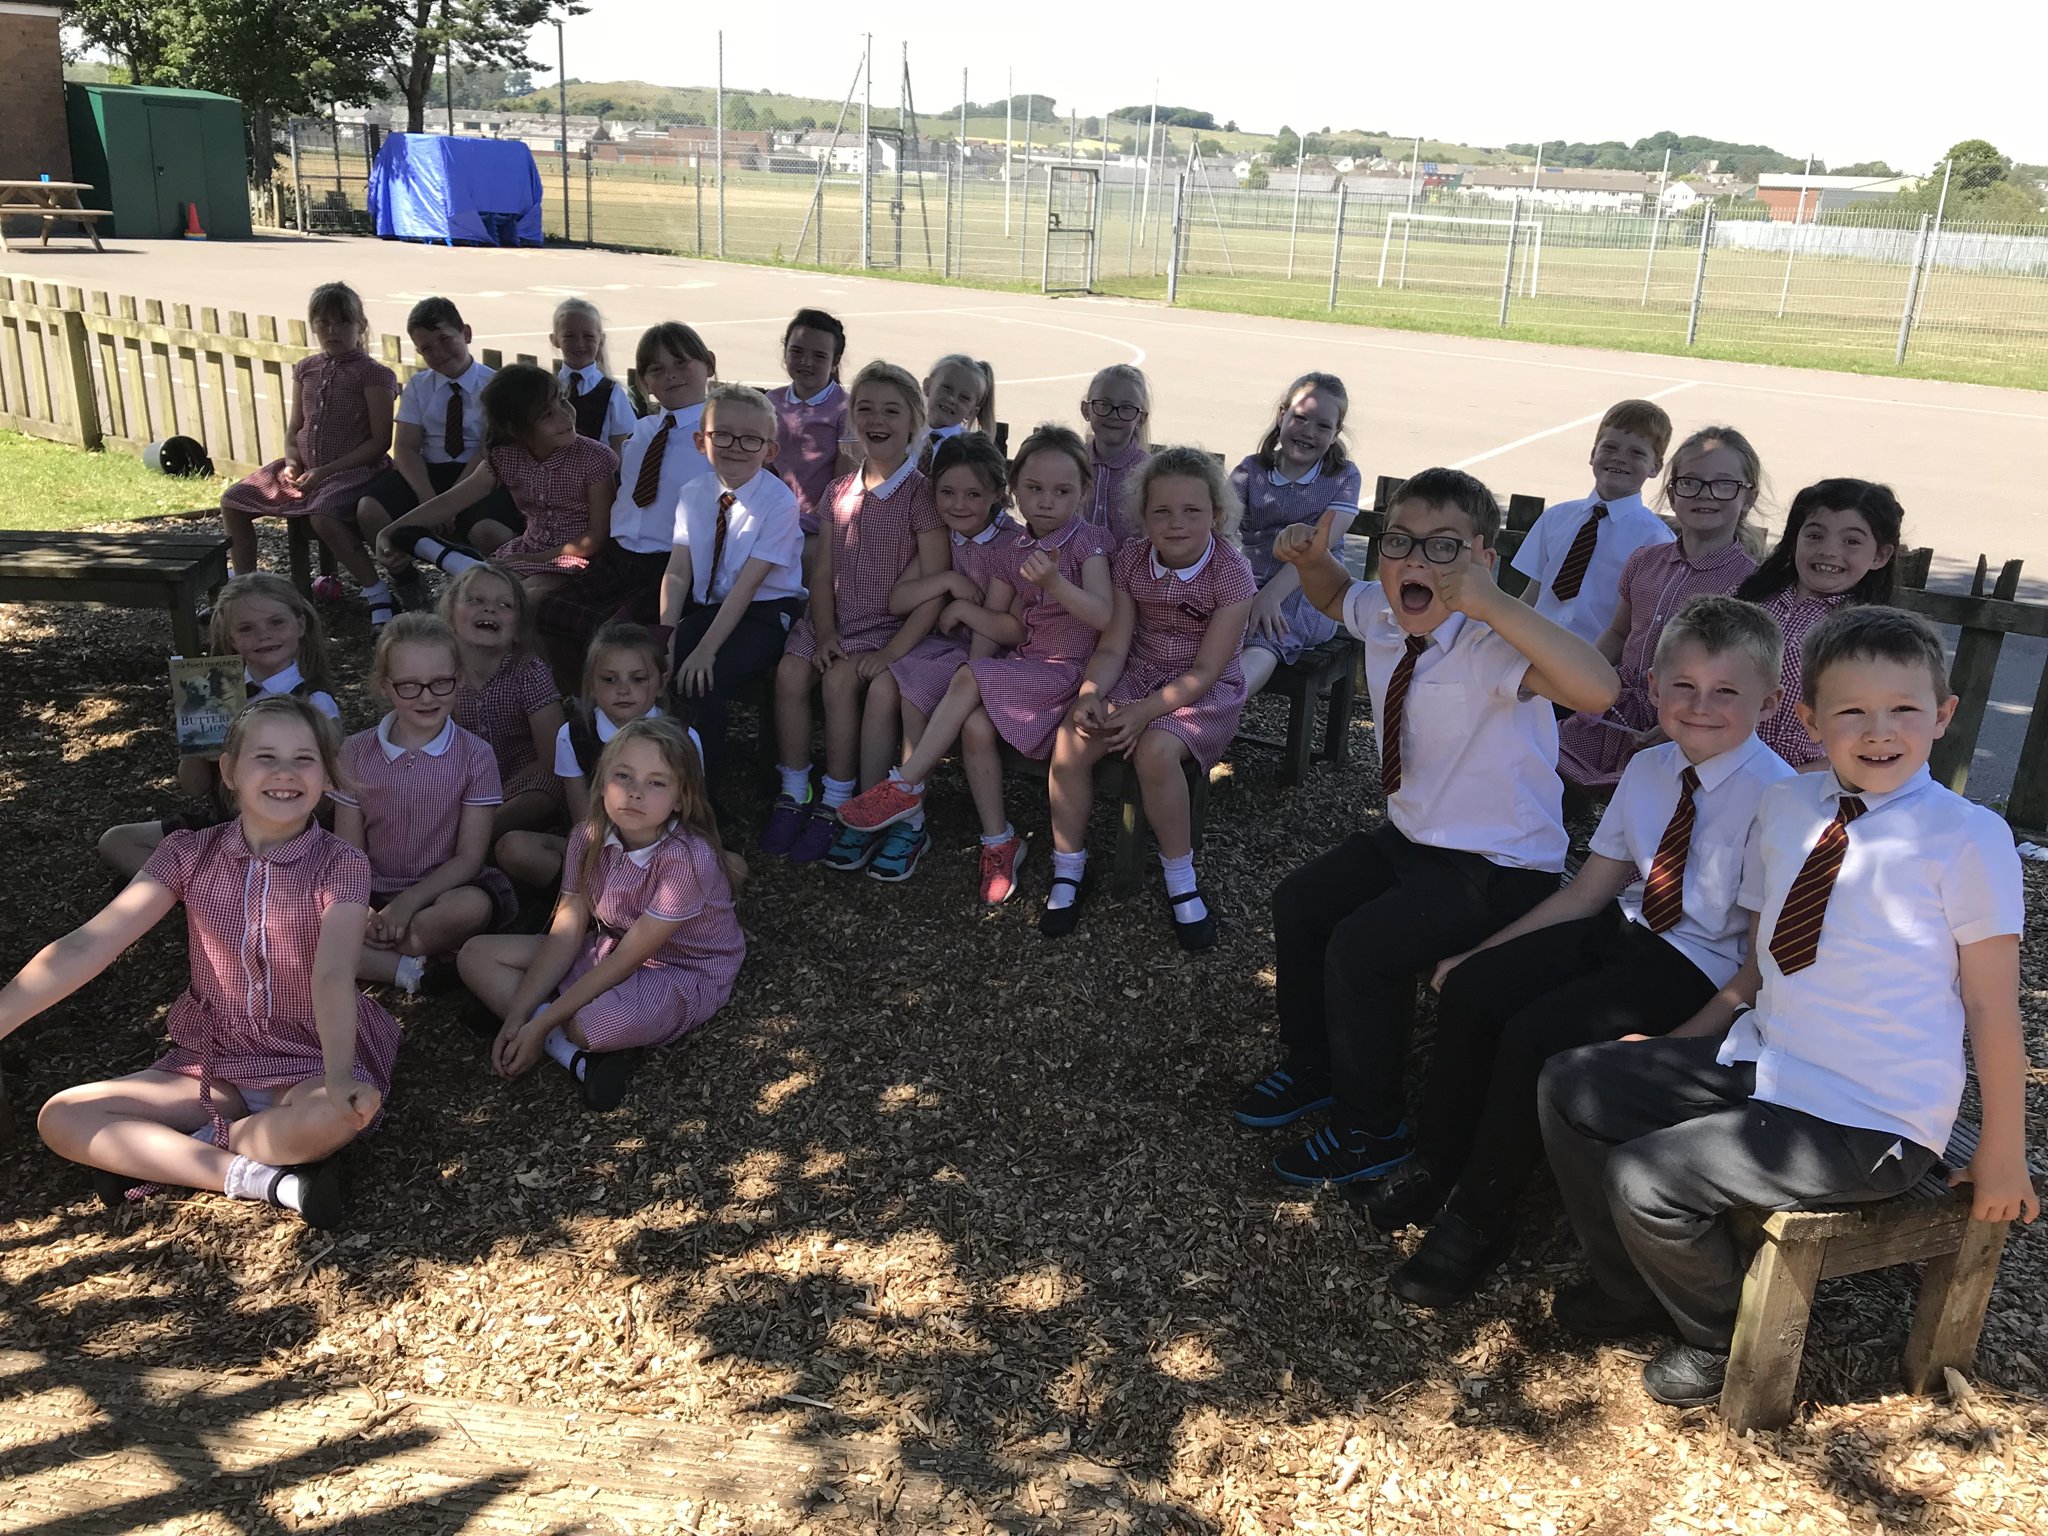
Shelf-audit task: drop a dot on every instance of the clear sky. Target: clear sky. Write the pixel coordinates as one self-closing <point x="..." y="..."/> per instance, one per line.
<point x="1880" y="80"/>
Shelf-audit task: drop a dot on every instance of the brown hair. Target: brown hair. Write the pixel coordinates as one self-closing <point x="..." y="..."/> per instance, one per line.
<point x="522" y="605"/>
<point x="1190" y="464"/>
<point x="1641" y="418"/>
<point x="338" y="301"/>
<point x="312" y="657"/>
<point x="1871" y="633"/>
<point x="515" y="399"/>
<point x="1051" y="437"/>
<point x="1747" y="534"/>
<point x="1334" y="457"/>
<point x="676" y="339"/>
<point x="978" y="451"/>
<point x="1457" y="490"/>
<point x="1719" y="625"/>
<point x="411" y="629"/>
<point x="619" y="635"/>
<point x="271" y="706"/>
<point x="693" y="810"/>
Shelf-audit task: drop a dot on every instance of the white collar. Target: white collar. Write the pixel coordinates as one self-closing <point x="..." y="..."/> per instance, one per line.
<point x="1191" y="572"/>
<point x="469" y="383"/>
<point x="889" y="486"/>
<point x="1315" y="470"/>
<point x="819" y="398"/>
<point x="588" y="375"/>
<point x="1872" y="800"/>
<point x="641" y="857"/>
<point x="1619" y="504"/>
<point x="1721" y="767"/>
<point x="994" y="527"/>
<point x="1057" y="539"/>
<point x="393" y="751"/>
<point x="277" y="682"/>
<point x="940" y="434"/>
<point x="606" y="730"/>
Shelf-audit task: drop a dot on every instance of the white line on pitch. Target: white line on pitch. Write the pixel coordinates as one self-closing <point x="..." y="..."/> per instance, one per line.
<point x="1537" y="437"/>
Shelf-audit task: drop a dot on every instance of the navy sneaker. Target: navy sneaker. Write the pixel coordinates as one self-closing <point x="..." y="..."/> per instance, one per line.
<point x="1337" y="1157"/>
<point x="849" y="848"/>
<point x="1280" y="1098"/>
<point x="897" y="852"/>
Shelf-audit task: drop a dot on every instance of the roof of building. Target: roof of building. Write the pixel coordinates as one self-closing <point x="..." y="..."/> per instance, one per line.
<point x="1562" y="179"/>
<point x="1792" y="181"/>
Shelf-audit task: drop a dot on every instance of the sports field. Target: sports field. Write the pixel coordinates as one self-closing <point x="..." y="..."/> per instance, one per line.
<point x="1964" y="459"/>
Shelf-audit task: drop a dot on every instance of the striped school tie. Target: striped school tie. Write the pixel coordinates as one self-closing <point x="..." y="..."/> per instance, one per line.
<point x="650" y="467"/>
<point x="1572" y="574"/>
<point x="452" y="439"/>
<point x="1396" y="708"/>
<point x="1664" y="892"/>
<point x="1795" y="937"/>
<point x="725" y="501"/>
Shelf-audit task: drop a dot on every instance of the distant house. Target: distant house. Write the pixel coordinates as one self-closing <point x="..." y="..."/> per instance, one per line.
<point x="1678" y="197"/>
<point x="1792" y="197"/>
<point x="1587" y="191"/>
<point x="818" y="145"/>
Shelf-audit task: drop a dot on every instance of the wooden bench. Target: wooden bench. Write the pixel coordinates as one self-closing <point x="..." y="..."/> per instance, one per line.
<point x="175" y="571"/>
<point x="1930" y="1224"/>
<point x="1324" y="676"/>
<point x="1115" y="777"/>
<point x="52" y="202"/>
<point x="302" y="543"/>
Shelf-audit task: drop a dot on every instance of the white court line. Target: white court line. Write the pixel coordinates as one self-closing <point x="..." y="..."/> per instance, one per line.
<point x="1537" y="437"/>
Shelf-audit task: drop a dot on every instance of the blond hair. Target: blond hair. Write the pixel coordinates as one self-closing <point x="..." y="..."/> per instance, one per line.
<point x="1721" y="626"/>
<point x="1747" y="534"/>
<point x="280" y="706"/>
<point x="522" y="605"/>
<point x="589" y="311"/>
<point x="898" y="379"/>
<point x="410" y="629"/>
<point x="1191" y="464"/>
<point x="984" y="418"/>
<point x="730" y="395"/>
<point x="1133" y="375"/>
<point x="693" y="811"/>
<point x="312" y="658"/>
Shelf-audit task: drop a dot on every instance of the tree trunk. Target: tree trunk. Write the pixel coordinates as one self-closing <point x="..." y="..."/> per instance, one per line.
<point x="262" y="145"/>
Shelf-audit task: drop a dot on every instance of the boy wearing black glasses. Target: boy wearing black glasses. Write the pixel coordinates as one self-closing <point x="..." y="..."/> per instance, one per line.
<point x="1462" y="678"/>
<point x="735" y="578"/>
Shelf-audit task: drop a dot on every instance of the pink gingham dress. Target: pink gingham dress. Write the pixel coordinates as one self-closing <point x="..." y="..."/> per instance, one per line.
<point x="501" y="714"/>
<point x="334" y="422"/>
<point x="808" y="438"/>
<point x="1028" y="692"/>
<point x="253" y="925"/>
<point x="1796" y="616"/>
<point x="1173" y="617"/>
<point x="1593" y="749"/>
<point x="927" y="672"/>
<point x="412" y="807"/>
<point x="874" y="540"/>
<point x="1272" y="502"/>
<point x="679" y="879"/>
<point x="1109" y="506"/>
<point x="554" y="496"/>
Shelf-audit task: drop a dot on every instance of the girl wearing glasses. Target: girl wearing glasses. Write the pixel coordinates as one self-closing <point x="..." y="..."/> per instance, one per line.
<point x="417" y="795"/>
<point x="1709" y="489"/>
<point x="1118" y="410"/>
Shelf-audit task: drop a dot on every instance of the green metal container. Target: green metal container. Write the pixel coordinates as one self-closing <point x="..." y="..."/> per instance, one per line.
<point x="148" y="151"/>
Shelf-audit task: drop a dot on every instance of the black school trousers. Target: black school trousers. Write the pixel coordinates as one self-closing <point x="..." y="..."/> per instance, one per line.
<point x="1654" y="1142"/>
<point x="1509" y="1009"/>
<point x="753" y="647"/>
<point x="1351" y="930"/>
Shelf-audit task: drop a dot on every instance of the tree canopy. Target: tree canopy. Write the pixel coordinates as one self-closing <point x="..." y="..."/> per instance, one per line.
<point x="1179" y="117"/>
<point x="1689" y="152"/>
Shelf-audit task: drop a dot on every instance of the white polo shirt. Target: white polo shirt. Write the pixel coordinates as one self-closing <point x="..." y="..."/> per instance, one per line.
<point x="1629" y="526"/>
<point x="1478" y="760"/>
<point x="1871" y="1034"/>
<point x="763" y="523"/>
<point x="651" y="529"/>
<point x="566" y="766"/>
<point x="423" y="403"/>
<point x="1712" y="930"/>
<point x="284" y="682"/>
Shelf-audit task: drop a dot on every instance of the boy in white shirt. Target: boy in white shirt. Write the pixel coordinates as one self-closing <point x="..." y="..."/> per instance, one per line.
<point x="1584" y="966"/>
<point x="1888" y="918"/>
<point x="735" y="582"/>
<point x="1462" y="679"/>
<point x="1574" y="555"/>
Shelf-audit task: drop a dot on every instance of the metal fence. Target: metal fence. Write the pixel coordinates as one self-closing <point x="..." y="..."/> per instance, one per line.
<point x="1151" y="211"/>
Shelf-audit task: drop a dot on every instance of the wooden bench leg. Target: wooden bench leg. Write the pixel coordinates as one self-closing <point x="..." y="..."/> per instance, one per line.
<point x="297" y="537"/>
<point x="1955" y="1288"/>
<point x="185" y="635"/>
<point x="1770" y="1335"/>
<point x="1301" y="737"/>
<point x="1130" y="834"/>
<point x="1337" y="720"/>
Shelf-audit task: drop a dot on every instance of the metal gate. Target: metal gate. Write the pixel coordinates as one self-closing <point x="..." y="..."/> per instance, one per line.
<point x="1073" y="196"/>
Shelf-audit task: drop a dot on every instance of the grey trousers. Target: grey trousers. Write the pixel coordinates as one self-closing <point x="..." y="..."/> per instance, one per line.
<point x="1653" y="1143"/>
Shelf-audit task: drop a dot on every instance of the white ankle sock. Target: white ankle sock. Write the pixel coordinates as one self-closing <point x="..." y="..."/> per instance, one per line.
<point x="1070" y="866"/>
<point x="410" y="969"/>
<point x="914" y="786"/>
<point x="377" y="592"/>
<point x="250" y="1180"/>
<point x="1180" y="879"/>
<point x="998" y="839"/>
<point x="564" y="1050"/>
<point x="838" y="791"/>
<point x="425" y="548"/>
<point x="796" y="782"/>
<point x="915" y="820"/>
<point x="455" y="562"/>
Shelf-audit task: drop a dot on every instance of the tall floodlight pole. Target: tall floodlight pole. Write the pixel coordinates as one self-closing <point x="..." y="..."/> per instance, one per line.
<point x="1294" y="228"/>
<point x="562" y="102"/>
<point x="1009" y="140"/>
<point x="448" y="64"/>
<point x="1414" y="170"/>
<point x="867" y="151"/>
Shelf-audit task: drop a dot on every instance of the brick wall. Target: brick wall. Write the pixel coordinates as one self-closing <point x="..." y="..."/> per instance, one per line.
<point x="33" y="140"/>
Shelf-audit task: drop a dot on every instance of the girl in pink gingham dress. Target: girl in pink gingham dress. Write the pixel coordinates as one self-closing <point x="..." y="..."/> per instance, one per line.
<point x="1059" y="572"/>
<point x="812" y="419"/>
<point x="879" y="524"/>
<point x="337" y="439"/>
<point x="647" y="868"/>
<point x="1165" y="686"/>
<point x="506" y="695"/>
<point x="276" y="1061"/>
<point x="562" y="482"/>
<point x="1118" y="410"/>
<point x="1837" y="547"/>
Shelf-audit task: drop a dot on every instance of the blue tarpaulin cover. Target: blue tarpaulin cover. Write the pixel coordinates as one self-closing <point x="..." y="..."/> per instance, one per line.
<point x="428" y="186"/>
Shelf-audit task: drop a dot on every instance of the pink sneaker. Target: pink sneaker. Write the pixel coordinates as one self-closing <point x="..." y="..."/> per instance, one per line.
<point x="883" y="806"/>
<point x="999" y="865"/>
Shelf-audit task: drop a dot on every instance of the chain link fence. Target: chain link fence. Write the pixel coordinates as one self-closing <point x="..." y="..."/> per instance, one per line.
<point x="1028" y="199"/>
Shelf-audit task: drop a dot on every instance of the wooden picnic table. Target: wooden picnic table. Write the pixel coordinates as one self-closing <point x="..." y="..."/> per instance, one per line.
<point x="53" y="202"/>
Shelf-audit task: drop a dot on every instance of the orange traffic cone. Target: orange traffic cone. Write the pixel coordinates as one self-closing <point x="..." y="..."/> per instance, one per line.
<point x="192" y="229"/>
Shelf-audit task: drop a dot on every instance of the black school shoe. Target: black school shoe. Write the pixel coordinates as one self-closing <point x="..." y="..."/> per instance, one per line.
<point x="1686" y="1376"/>
<point x="1408" y="1194"/>
<point x="112" y="1188"/>
<point x="1449" y="1265"/>
<point x="1280" y="1098"/>
<point x="323" y="1194"/>
<point x="1058" y="922"/>
<point x="1196" y="936"/>
<point x="605" y="1076"/>
<point x="1332" y="1156"/>
<point x="1587" y="1310"/>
